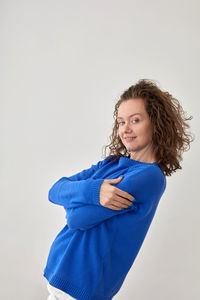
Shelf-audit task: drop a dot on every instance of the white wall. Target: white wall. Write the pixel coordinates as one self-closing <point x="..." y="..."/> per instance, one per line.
<point x="63" y="66"/>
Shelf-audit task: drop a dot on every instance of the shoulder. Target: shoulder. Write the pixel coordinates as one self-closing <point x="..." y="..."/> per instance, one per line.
<point x="149" y="177"/>
<point x="148" y="170"/>
<point x="155" y="172"/>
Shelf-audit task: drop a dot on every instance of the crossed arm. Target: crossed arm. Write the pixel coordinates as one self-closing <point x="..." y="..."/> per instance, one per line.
<point x="80" y="197"/>
<point x="77" y="190"/>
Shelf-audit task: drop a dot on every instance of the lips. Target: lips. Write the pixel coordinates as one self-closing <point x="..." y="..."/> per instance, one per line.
<point x="129" y="139"/>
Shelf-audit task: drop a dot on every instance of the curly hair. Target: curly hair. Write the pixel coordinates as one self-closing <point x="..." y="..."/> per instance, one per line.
<point x="170" y="137"/>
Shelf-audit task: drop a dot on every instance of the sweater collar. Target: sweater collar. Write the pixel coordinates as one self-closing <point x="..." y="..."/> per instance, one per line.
<point x="131" y="162"/>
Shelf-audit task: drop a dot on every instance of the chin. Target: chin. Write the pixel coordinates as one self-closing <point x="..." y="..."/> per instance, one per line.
<point x="131" y="149"/>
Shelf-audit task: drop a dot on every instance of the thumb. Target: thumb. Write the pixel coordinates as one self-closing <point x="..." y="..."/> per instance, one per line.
<point x="116" y="179"/>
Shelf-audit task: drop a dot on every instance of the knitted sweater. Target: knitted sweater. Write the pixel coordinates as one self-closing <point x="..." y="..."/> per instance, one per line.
<point x="91" y="256"/>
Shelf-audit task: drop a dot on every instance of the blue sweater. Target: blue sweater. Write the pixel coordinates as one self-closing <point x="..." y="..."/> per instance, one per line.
<point x="91" y="256"/>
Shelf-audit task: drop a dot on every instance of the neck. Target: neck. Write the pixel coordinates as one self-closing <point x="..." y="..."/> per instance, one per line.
<point x="145" y="155"/>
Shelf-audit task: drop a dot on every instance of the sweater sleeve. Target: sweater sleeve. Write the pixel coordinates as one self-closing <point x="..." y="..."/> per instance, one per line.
<point x="147" y="187"/>
<point x="78" y="189"/>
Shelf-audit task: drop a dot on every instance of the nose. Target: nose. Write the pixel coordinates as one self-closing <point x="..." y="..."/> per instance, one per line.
<point x="127" y="127"/>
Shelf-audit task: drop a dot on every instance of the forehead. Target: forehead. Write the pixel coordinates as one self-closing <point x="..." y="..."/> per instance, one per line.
<point x="130" y="107"/>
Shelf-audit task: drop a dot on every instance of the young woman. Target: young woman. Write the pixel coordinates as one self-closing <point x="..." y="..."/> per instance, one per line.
<point x="110" y="206"/>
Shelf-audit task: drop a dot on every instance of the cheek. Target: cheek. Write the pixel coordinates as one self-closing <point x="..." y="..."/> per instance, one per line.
<point x="119" y="132"/>
<point x="145" y="131"/>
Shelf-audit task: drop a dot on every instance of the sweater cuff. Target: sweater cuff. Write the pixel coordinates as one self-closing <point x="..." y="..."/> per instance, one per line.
<point x="96" y="191"/>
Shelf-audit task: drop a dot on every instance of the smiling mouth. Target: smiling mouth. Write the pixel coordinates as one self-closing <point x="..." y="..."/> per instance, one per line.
<point x="129" y="139"/>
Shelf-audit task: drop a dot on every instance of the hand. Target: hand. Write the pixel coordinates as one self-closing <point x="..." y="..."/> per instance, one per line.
<point x="112" y="197"/>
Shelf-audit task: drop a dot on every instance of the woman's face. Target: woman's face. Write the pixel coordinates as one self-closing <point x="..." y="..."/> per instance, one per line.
<point x="133" y="121"/>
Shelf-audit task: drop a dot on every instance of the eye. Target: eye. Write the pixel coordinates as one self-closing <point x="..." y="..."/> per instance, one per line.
<point x="119" y="123"/>
<point x="132" y="120"/>
<point x="136" y="120"/>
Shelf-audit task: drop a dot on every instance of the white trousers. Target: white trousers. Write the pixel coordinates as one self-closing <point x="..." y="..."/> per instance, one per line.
<point x="56" y="294"/>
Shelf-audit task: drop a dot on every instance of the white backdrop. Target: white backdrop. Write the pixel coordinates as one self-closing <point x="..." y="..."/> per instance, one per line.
<point x="64" y="65"/>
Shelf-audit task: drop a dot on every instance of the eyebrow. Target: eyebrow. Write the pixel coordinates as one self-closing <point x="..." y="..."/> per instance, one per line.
<point x="130" y="115"/>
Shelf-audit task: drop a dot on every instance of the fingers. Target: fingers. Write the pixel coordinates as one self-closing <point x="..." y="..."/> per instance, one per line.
<point x="114" y="198"/>
<point x="121" y="201"/>
<point x="123" y="193"/>
<point x="114" y="207"/>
